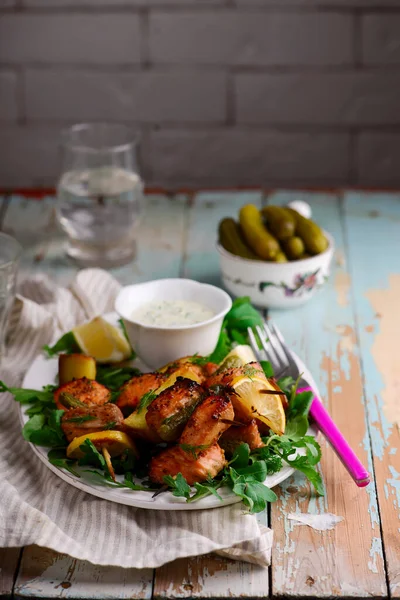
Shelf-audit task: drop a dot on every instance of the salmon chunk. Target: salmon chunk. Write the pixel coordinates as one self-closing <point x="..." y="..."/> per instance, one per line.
<point x="136" y="388"/>
<point x="247" y="434"/>
<point x="87" y="391"/>
<point x="208" y="421"/>
<point x="175" y="460"/>
<point x="169" y="412"/>
<point x="80" y="421"/>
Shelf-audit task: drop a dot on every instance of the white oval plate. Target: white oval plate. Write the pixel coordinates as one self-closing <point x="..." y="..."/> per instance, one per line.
<point x="43" y="371"/>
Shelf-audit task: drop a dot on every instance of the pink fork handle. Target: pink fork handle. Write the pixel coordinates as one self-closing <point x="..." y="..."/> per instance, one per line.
<point x="325" y="424"/>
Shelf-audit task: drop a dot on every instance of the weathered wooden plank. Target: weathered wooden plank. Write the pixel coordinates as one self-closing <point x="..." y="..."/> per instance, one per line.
<point x="373" y="231"/>
<point x="347" y="561"/>
<point x="159" y="239"/>
<point x="47" y="574"/>
<point x="210" y="576"/>
<point x="9" y="559"/>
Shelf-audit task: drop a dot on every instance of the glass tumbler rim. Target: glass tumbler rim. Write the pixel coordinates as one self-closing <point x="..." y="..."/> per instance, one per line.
<point x="78" y="146"/>
<point x="17" y="249"/>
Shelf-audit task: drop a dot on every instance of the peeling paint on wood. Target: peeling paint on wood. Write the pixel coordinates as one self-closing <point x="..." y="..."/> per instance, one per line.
<point x="347" y="561"/>
<point x="385" y="348"/>
<point x="342" y="287"/>
<point x="45" y="573"/>
<point x="210" y="577"/>
<point x="374" y="290"/>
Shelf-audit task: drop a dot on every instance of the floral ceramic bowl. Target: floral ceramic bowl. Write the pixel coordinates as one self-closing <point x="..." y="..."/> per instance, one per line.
<point x="276" y="285"/>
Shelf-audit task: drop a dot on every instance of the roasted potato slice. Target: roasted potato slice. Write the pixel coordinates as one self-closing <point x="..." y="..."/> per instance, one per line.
<point x="75" y="366"/>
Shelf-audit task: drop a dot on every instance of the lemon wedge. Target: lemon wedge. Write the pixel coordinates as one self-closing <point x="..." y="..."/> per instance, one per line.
<point x="238" y="357"/>
<point x="114" y="441"/>
<point x="252" y="393"/>
<point x="103" y="341"/>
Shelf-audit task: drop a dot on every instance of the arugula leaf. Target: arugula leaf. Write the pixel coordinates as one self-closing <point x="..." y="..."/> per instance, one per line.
<point x="300" y="404"/>
<point x="257" y="470"/>
<point x="28" y="396"/>
<point x="222" y="349"/>
<point x="241" y="456"/>
<point x="267" y="368"/>
<point x="260" y="495"/>
<point x="114" y="377"/>
<point x="126" y="336"/>
<point x="66" y="344"/>
<point x="254" y="494"/>
<point x="286" y="448"/>
<point x="286" y="383"/>
<point x="177" y="485"/>
<point x="242" y="315"/>
<point x="205" y="489"/>
<point x="91" y="456"/>
<point x="234" y="328"/>
<point x="58" y="459"/>
<point x="34" y="424"/>
<point x="146" y="400"/>
<point x="296" y="427"/>
<point x="45" y="430"/>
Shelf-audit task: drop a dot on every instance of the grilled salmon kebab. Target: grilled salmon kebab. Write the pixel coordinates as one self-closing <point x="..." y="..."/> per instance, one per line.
<point x="198" y="455"/>
<point x="192" y="407"/>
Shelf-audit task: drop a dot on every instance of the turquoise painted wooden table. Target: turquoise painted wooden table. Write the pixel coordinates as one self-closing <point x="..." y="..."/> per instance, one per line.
<point x="348" y="335"/>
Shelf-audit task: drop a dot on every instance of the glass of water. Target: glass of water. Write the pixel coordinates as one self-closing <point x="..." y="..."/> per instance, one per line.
<point x="100" y="194"/>
<point x="10" y="252"/>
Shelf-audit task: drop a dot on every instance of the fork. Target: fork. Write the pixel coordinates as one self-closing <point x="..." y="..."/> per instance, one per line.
<point x="282" y="361"/>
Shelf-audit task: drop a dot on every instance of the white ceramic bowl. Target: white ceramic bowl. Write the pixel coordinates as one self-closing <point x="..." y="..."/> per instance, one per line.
<point x="156" y="345"/>
<point x="276" y="285"/>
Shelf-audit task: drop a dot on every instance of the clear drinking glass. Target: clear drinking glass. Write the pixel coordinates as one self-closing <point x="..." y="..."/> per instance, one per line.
<point x="10" y="252"/>
<point x="100" y="194"/>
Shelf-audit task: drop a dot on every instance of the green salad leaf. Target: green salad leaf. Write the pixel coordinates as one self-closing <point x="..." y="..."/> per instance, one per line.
<point x="45" y="429"/>
<point x="178" y="485"/>
<point x="234" y="328"/>
<point x="114" y="377"/>
<point x="67" y="344"/>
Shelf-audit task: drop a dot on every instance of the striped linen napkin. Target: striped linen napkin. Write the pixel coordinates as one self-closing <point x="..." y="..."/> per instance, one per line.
<point x="36" y="507"/>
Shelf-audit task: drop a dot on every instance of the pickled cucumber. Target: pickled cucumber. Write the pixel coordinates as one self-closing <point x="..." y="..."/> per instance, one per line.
<point x="260" y="240"/>
<point x="231" y="238"/>
<point x="279" y="221"/>
<point x="281" y="257"/>
<point x="312" y="235"/>
<point x="294" y="247"/>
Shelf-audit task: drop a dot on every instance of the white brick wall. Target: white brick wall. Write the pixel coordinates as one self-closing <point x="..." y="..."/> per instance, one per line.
<point x="223" y="92"/>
